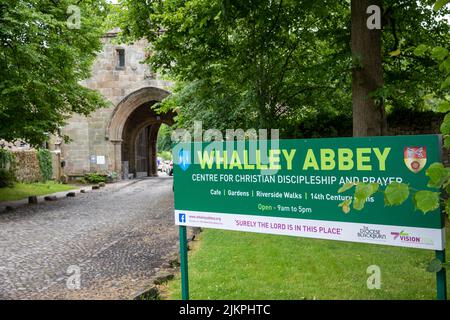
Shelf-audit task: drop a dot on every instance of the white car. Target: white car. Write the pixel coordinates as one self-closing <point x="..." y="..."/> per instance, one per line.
<point x="168" y="167"/>
<point x="160" y="164"/>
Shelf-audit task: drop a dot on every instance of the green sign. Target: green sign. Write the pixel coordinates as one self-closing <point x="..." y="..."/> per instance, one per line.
<point x="290" y="187"/>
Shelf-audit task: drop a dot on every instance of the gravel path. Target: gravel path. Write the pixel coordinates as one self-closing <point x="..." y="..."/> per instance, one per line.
<point x="115" y="239"/>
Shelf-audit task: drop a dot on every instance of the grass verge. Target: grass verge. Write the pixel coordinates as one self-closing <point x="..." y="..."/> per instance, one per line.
<point x="24" y="190"/>
<point x="237" y="265"/>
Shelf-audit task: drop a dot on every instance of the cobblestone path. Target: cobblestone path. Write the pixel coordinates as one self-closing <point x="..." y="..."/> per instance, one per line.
<point x="117" y="238"/>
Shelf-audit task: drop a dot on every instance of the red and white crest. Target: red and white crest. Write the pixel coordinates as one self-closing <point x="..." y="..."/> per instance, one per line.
<point x="415" y="158"/>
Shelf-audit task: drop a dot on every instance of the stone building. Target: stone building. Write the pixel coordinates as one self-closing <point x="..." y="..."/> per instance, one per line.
<point x="120" y="138"/>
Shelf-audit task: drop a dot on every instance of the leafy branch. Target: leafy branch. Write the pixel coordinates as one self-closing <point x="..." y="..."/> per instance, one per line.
<point x="397" y="193"/>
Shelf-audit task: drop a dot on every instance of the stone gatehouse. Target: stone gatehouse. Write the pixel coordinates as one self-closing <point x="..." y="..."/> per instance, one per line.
<point x="120" y="138"/>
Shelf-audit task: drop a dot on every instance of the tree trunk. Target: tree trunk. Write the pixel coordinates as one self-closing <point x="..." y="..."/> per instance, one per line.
<point x="369" y="118"/>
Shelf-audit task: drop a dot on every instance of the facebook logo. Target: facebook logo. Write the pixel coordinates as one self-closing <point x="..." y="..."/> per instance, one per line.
<point x="182" y="218"/>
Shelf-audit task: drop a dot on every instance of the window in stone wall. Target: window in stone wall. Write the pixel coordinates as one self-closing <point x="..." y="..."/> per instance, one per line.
<point x="120" y="58"/>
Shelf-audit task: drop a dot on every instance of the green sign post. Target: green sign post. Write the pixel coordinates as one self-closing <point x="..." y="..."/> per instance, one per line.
<point x="290" y="187"/>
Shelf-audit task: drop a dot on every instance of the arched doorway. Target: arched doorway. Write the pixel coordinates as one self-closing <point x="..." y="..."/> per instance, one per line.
<point x="133" y="131"/>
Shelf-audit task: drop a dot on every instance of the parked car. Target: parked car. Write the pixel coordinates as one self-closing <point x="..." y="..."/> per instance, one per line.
<point x="165" y="164"/>
<point x="160" y="163"/>
<point x="168" y="168"/>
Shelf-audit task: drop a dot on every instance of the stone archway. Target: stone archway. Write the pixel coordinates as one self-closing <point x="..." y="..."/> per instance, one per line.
<point x="133" y="132"/>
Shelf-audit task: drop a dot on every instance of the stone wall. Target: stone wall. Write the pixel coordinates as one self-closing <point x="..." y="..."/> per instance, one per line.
<point x="27" y="167"/>
<point x="56" y="165"/>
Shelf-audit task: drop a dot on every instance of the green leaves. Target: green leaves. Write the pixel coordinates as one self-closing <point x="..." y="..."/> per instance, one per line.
<point x="426" y="201"/>
<point x="45" y="164"/>
<point x="439" y="53"/>
<point x="358" y="204"/>
<point x="395" y="53"/>
<point x="445" y="66"/>
<point x="42" y="63"/>
<point x="420" y="50"/>
<point x="445" y="126"/>
<point x="395" y="194"/>
<point x="439" y="4"/>
<point x="362" y="192"/>
<point x="254" y="65"/>
<point x="444" y="106"/>
<point x="346" y="205"/>
<point x="346" y="187"/>
<point x="438" y="174"/>
<point x="446" y="83"/>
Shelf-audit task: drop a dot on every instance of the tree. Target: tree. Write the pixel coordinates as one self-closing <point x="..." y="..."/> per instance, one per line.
<point x="438" y="175"/>
<point x="260" y="64"/>
<point x="43" y="57"/>
<point x="164" y="142"/>
<point x="288" y="64"/>
<point x="369" y="117"/>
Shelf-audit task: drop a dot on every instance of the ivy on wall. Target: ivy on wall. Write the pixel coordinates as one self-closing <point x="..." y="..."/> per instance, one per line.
<point x="7" y="163"/>
<point x="45" y="163"/>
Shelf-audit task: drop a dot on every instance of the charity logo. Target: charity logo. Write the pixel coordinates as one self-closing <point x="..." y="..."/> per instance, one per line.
<point x="184" y="159"/>
<point x="372" y="234"/>
<point x="182" y="218"/>
<point x="408" y="238"/>
<point x="415" y="158"/>
<point x="398" y="234"/>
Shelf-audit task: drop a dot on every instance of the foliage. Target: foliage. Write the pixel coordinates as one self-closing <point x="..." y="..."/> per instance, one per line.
<point x="439" y="176"/>
<point x="165" y="155"/>
<point x="408" y="77"/>
<point x="257" y="64"/>
<point x="164" y="142"/>
<point x="279" y="64"/>
<point x="6" y="159"/>
<point x="42" y="62"/>
<point x="6" y="178"/>
<point x="397" y="193"/>
<point x="426" y="200"/>
<point x="440" y="3"/>
<point x="362" y="192"/>
<point x="7" y="164"/>
<point x="45" y="164"/>
<point x="95" y="177"/>
<point x="439" y="99"/>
